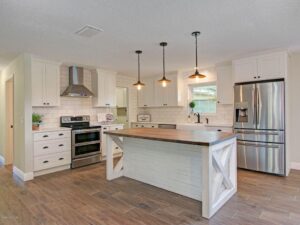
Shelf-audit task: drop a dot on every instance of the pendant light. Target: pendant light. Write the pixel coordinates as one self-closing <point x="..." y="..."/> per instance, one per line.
<point x="164" y="81"/>
<point x="196" y="75"/>
<point x="139" y="84"/>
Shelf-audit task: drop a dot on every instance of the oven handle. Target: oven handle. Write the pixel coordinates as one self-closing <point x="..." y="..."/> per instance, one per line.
<point x="87" y="143"/>
<point x="87" y="131"/>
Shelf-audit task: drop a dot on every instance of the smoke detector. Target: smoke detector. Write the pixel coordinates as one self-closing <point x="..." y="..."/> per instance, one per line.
<point x="88" y="31"/>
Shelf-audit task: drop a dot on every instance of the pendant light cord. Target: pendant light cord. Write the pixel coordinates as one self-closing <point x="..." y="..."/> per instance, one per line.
<point x="138" y="67"/>
<point x="196" y="52"/>
<point x="164" y="62"/>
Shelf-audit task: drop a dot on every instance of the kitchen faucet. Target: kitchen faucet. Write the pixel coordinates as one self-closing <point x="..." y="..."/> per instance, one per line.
<point x="198" y="117"/>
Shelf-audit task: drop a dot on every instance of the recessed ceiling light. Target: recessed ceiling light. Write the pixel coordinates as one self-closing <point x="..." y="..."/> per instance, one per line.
<point x="88" y="31"/>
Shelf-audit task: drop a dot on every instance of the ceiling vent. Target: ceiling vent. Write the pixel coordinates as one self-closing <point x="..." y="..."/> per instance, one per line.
<point x="88" y="31"/>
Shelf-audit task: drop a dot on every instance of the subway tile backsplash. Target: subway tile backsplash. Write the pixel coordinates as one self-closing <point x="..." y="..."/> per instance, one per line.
<point x="224" y="115"/>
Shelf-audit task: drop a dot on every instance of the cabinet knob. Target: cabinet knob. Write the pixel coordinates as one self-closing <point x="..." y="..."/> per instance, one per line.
<point x="218" y="102"/>
<point x="219" y="130"/>
<point x="116" y="128"/>
<point x="254" y="77"/>
<point x="45" y="147"/>
<point x="61" y="145"/>
<point x="142" y="125"/>
<point x="61" y="134"/>
<point x="61" y="159"/>
<point x="44" y="103"/>
<point x="258" y="77"/>
<point x="48" y="103"/>
<point x="46" y="161"/>
<point x="45" y="136"/>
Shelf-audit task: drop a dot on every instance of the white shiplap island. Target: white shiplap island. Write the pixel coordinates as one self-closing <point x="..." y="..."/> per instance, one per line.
<point x="197" y="164"/>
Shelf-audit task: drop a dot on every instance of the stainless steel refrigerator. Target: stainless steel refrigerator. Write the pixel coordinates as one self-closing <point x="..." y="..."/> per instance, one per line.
<point x="259" y="122"/>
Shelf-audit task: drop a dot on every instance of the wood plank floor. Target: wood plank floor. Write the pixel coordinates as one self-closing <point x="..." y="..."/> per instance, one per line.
<point x="84" y="197"/>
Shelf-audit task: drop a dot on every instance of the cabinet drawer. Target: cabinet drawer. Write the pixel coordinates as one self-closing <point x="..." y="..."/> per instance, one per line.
<point x="117" y="127"/>
<point x="52" y="146"/>
<point x="51" y="135"/>
<point x="51" y="161"/>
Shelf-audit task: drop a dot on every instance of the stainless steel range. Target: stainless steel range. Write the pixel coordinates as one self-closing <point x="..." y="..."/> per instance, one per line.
<point x="86" y="140"/>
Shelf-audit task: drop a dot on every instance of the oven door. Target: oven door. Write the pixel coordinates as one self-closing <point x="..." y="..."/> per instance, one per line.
<point x="86" y="143"/>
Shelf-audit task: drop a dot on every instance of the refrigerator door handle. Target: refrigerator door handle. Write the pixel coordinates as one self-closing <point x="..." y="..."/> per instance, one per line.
<point x="254" y="105"/>
<point x="258" y="105"/>
<point x="258" y="133"/>
<point x="258" y="145"/>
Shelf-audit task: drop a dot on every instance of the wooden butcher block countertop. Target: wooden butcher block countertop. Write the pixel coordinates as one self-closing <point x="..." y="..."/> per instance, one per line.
<point x="193" y="137"/>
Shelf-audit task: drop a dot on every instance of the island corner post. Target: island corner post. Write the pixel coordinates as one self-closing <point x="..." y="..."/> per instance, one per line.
<point x="206" y="172"/>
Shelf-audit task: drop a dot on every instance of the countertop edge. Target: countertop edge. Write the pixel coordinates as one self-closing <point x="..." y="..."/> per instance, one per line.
<point x="113" y="133"/>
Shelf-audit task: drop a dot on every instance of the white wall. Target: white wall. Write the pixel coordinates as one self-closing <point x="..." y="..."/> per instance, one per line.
<point x="224" y="114"/>
<point x="294" y="109"/>
<point x="20" y="70"/>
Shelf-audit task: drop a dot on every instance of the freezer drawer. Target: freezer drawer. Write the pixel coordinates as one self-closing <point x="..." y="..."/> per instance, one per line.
<point x="262" y="157"/>
<point x="260" y="135"/>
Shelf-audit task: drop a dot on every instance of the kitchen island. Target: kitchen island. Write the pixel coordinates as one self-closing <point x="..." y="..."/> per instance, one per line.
<point x="197" y="164"/>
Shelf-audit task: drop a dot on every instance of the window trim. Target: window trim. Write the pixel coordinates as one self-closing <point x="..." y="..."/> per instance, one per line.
<point x="203" y="84"/>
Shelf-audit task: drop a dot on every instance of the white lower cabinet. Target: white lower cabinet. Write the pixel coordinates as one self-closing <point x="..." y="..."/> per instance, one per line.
<point x="144" y="125"/>
<point x="116" y="149"/>
<point x="52" y="151"/>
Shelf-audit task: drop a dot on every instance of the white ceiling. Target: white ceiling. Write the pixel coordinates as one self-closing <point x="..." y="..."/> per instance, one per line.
<point x="230" y="28"/>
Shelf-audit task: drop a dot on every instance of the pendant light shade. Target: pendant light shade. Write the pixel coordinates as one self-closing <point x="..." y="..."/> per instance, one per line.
<point x="164" y="81"/>
<point x="196" y="75"/>
<point x="139" y="84"/>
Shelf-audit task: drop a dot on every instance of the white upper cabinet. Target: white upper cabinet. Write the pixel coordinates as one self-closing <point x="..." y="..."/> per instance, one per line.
<point x="121" y="97"/>
<point x="271" y="66"/>
<point x="224" y="84"/>
<point x="45" y="83"/>
<point x="104" y="88"/>
<point x="154" y="95"/>
<point x="245" y="70"/>
<point x="263" y="67"/>
<point x="146" y="94"/>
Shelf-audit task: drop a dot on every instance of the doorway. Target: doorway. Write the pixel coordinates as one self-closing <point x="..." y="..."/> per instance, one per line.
<point x="9" y="146"/>
<point x="122" y="106"/>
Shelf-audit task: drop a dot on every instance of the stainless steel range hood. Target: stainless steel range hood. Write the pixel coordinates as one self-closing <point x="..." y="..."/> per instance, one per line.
<point x="76" y="87"/>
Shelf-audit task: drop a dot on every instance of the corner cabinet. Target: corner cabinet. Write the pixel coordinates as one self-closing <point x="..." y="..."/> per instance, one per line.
<point x="104" y="88"/>
<point x="157" y="96"/>
<point x="45" y="83"/>
<point x="224" y="84"/>
<point x="262" y="67"/>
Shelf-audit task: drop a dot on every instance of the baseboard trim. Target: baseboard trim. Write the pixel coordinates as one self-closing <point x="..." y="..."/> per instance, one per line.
<point x="295" y="166"/>
<point x="23" y="176"/>
<point x="52" y="170"/>
<point x="2" y="160"/>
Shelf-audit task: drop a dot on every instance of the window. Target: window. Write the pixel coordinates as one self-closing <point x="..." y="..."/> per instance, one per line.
<point x="205" y="97"/>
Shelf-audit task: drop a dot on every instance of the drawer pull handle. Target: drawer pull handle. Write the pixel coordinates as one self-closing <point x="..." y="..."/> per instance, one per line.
<point x="61" y="159"/>
<point x="45" y="147"/>
<point x="46" y="161"/>
<point x="61" y="134"/>
<point x="219" y="130"/>
<point x="60" y="145"/>
<point x="45" y="136"/>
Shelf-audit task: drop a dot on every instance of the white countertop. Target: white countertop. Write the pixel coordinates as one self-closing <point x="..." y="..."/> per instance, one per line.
<point x="106" y="125"/>
<point x="50" y="129"/>
<point x="191" y="124"/>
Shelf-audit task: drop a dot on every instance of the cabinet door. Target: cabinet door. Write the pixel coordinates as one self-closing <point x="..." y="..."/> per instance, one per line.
<point x="37" y="79"/>
<point x="224" y="85"/>
<point x="51" y="91"/>
<point x="271" y="66"/>
<point x="172" y="92"/>
<point x="111" y="89"/>
<point x="160" y="94"/>
<point x="121" y="97"/>
<point x="146" y="94"/>
<point x="245" y="70"/>
<point x="106" y="89"/>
